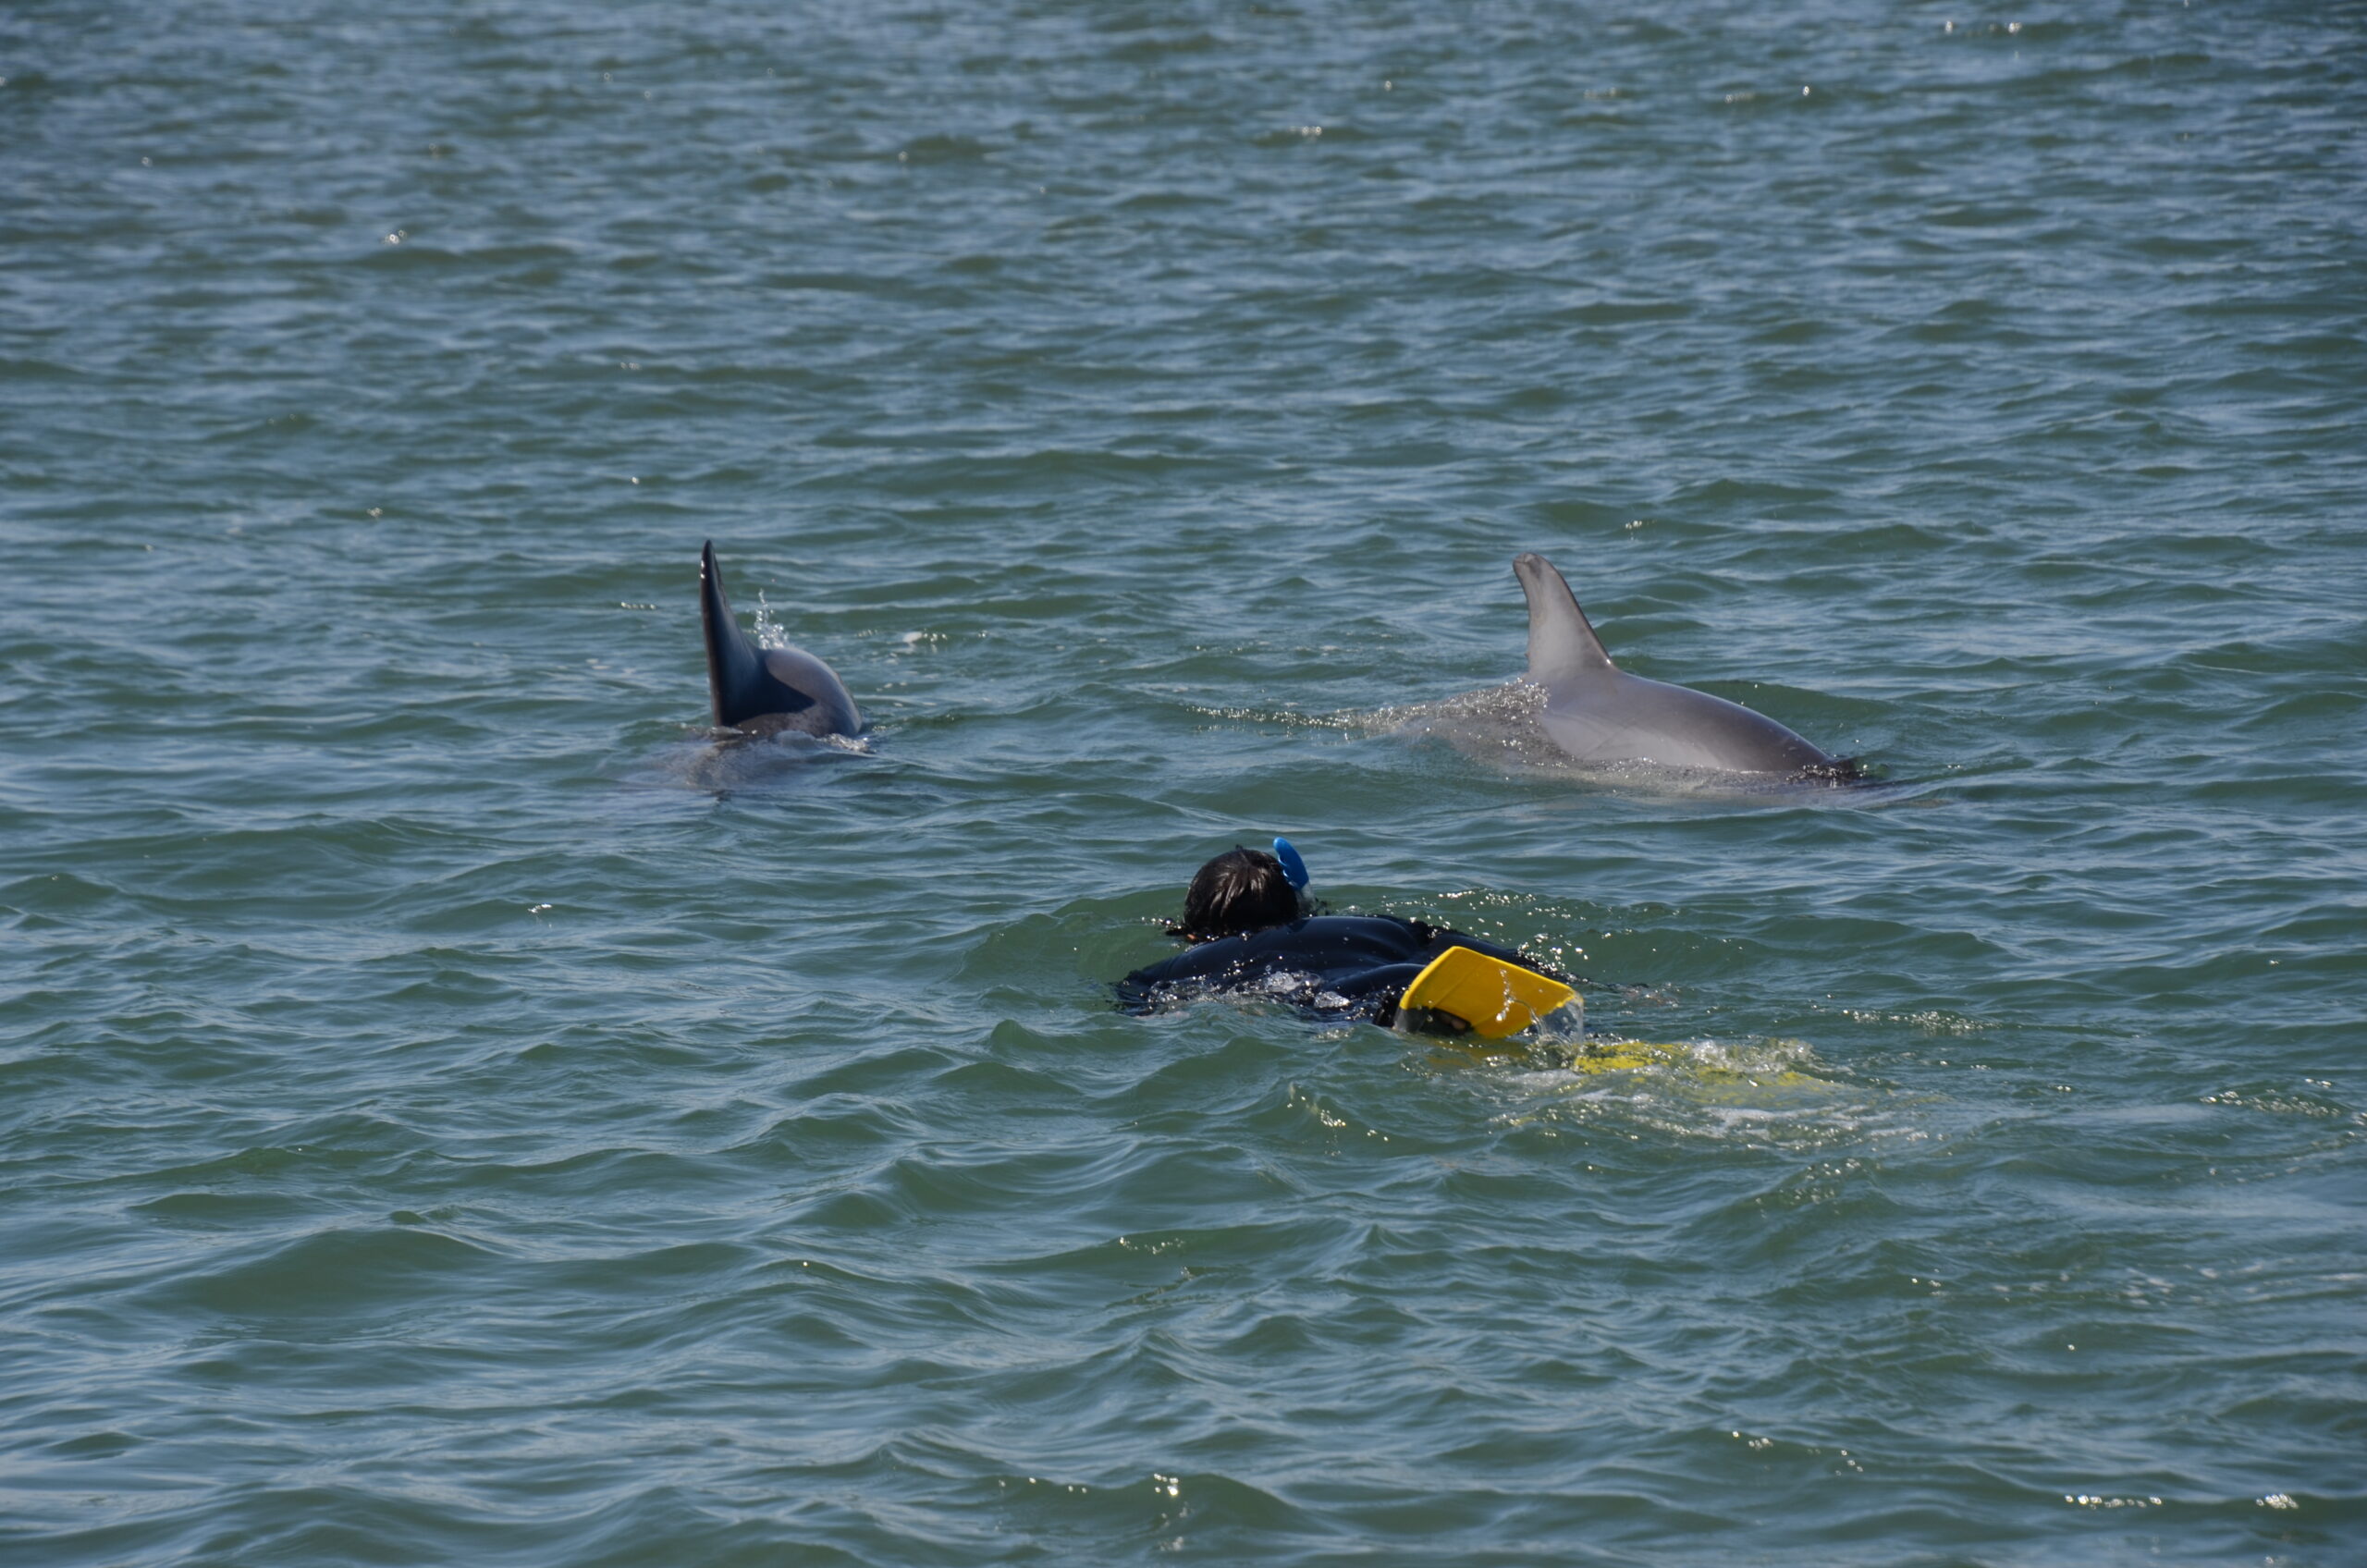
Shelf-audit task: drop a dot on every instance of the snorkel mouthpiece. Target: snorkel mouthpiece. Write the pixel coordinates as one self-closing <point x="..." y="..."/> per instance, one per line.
<point x="1292" y="867"/>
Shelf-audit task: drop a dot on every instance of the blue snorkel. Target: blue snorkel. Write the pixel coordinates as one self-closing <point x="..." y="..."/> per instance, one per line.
<point x="1292" y="867"/>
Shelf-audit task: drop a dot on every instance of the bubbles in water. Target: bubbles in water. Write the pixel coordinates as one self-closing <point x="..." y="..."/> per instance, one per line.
<point x="1768" y="1091"/>
<point x="1496" y="723"/>
<point x="767" y="631"/>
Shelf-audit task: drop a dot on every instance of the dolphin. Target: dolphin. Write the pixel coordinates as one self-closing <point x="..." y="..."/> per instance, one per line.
<point x="1598" y="713"/>
<point x="767" y="690"/>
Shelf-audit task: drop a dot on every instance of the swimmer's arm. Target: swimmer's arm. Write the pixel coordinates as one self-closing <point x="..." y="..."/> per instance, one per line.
<point x="1218" y="965"/>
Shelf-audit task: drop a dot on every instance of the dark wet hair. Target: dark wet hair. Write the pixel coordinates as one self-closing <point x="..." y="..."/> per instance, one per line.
<point x="1238" y="892"/>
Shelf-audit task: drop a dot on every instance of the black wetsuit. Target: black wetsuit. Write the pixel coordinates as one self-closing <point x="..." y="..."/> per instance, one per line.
<point x="1331" y="967"/>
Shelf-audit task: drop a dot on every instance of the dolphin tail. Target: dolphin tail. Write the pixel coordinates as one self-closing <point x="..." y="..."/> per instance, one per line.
<point x="1562" y="643"/>
<point x="735" y="666"/>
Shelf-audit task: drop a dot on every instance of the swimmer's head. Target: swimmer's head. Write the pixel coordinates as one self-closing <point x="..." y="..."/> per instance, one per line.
<point x="1238" y="892"/>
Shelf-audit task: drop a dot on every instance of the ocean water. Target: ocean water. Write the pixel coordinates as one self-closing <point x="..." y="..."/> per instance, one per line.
<point x="452" y="1110"/>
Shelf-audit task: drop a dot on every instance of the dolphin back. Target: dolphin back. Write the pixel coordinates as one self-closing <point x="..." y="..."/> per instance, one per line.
<point x="1632" y="719"/>
<point x="1598" y="713"/>
<point x="770" y="689"/>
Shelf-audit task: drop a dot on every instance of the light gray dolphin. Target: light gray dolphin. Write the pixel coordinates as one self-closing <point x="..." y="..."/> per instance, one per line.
<point x="767" y="690"/>
<point x="1598" y="714"/>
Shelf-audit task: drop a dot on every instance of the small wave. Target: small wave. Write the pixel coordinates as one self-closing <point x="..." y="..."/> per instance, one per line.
<point x="720" y="761"/>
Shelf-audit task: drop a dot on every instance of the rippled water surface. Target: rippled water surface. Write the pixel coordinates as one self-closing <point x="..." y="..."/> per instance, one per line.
<point x="453" y="1112"/>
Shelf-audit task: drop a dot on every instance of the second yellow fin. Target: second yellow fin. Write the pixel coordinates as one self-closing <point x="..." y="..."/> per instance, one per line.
<point x="1489" y="997"/>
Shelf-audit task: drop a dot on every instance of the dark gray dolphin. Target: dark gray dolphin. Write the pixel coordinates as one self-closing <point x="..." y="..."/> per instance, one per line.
<point x="768" y="690"/>
<point x="1598" y="714"/>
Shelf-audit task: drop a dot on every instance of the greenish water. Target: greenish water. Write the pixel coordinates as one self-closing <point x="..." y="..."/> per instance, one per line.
<point x="451" y="1111"/>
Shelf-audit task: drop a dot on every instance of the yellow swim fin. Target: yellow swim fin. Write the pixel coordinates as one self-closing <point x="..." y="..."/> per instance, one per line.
<point x="1488" y="996"/>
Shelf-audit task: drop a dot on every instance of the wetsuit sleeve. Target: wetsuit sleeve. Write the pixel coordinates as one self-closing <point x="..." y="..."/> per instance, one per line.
<point x="1139" y="992"/>
<point x="1374" y="993"/>
<point x="1142" y="989"/>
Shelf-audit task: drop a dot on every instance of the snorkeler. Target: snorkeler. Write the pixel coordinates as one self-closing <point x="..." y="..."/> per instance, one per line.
<point x="1251" y="930"/>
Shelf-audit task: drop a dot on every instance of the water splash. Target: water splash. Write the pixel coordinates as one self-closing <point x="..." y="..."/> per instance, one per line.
<point x="767" y="629"/>
<point x="1765" y="1092"/>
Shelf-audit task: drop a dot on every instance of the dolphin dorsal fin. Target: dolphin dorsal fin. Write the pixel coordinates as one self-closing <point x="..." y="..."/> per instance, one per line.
<point x="1562" y="643"/>
<point x="769" y="688"/>
<point x="734" y="664"/>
